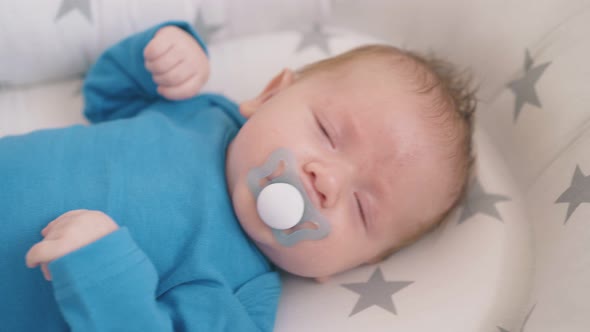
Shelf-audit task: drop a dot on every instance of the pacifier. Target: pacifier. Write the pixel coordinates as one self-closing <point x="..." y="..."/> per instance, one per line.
<point x="280" y="205"/>
<point x="282" y="202"/>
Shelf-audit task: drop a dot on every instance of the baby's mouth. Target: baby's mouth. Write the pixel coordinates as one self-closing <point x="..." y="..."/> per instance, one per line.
<point x="279" y="170"/>
<point x="283" y="202"/>
<point x="302" y="225"/>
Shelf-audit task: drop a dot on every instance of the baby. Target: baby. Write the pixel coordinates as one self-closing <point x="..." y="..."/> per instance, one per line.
<point x="158" y="218"/>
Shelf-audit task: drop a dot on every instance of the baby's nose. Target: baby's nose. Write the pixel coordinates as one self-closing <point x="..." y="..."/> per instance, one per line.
<point x="327" y="183"/>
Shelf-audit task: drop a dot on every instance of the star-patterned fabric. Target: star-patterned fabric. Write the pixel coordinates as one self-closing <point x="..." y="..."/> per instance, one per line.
<point x="206" y="30"/>
<point x="315" y="37"/>
<point x="524" y="87"/>
<point x="479" y="201"/>
<point x="82" y="6"/>
<point x="514" y="255"/>
<point x="376" y="292"/>
<point x="577" y="193"/>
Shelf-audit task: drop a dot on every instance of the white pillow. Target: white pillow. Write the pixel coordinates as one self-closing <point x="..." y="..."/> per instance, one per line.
<point x="45" y="40"/>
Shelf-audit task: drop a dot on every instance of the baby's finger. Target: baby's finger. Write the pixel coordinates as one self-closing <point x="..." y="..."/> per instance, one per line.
<point x="185" y="90"/>
<point x="156" y="48"/>
<point x="73" y="213"/>
<point x="164" y="63"/>
<point x="52" y="230"/>
<point x="47" y="228"/>
<point x="43" y="252"/>
<point x="46" y="272"/>
<point x="59" y="220"/>
<point x="55" y="222"/>
<point x="176" y="76"/>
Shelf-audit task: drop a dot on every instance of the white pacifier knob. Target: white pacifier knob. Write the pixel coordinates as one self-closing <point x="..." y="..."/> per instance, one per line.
<point x="280" y="205"/>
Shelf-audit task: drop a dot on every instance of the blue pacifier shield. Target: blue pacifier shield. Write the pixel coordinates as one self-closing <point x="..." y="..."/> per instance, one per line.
<point x="282" y="201"/>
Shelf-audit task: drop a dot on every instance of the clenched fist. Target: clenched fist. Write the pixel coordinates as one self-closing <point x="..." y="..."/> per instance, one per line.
<point x="178" y="64"/>
<point x="70" y="231"/>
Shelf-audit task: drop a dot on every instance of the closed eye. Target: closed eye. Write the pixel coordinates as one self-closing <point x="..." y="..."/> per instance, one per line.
<point x="360" y="209"/>
<point x="324" y="131"/>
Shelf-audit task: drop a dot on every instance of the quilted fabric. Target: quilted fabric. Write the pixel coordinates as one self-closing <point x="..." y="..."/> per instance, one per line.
<point x="47" y="40"/>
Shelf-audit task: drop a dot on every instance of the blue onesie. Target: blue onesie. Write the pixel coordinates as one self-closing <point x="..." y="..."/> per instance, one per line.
<point x="179" y="261"/>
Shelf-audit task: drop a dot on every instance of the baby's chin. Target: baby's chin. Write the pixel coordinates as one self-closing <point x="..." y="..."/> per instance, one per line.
<point x="293" y="266"/>
<point x="301" y="260"/>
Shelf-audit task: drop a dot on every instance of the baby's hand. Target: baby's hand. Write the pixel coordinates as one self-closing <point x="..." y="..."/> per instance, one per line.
<point x="177" y="62"/>
<point x="70" y="231"/>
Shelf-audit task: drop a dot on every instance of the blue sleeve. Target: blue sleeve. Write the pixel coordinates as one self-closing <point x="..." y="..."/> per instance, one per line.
<point x="118" y="85"/>
<point x="110" y="285"/>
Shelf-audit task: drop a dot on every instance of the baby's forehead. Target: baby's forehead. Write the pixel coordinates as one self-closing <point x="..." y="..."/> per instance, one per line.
<point x="380" y="94"/>
<point x="387" y="76"/>
<point x="368" y="98"/>
<point x="382" y="124"/>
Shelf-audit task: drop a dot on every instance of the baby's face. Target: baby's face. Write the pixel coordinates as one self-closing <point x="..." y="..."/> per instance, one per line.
<point x="364" y="154"/>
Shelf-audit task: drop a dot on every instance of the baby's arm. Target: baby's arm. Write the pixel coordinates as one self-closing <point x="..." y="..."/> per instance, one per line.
<point x="102" y="281"/>
<point x="168" y="60"/>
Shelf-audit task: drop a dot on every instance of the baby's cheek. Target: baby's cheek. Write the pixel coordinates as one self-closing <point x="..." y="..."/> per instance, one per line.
<point x="243" y="204"/>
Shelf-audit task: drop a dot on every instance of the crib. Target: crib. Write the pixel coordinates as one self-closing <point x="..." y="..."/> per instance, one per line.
<point x="514" y="256"/>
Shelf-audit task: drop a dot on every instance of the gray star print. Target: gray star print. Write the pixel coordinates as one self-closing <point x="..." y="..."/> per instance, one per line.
<point x="70" y="5"/>
<point x="376" y="291"/>
<point x="577" y="193"/>
<point x="206" y="31"/>
<point x="316" y="36"/>
<point x="477" y="200"/>
<point x="524" y="87"/>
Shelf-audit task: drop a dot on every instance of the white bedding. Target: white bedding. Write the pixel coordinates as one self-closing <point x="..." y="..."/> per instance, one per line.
<point x="506" y="260"/>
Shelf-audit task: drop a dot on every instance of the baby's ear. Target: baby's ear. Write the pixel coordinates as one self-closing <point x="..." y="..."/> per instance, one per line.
<point x="281" y="81"/>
